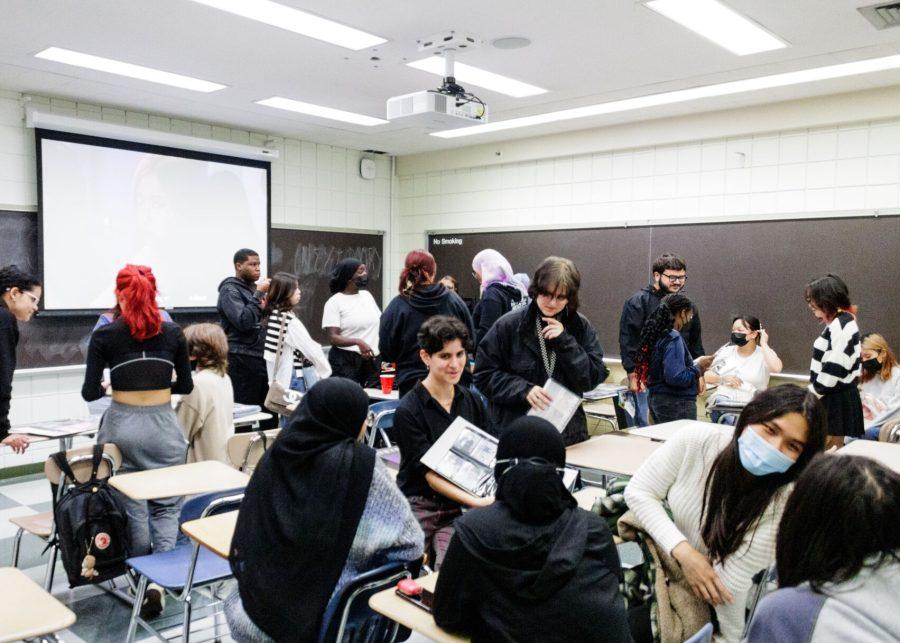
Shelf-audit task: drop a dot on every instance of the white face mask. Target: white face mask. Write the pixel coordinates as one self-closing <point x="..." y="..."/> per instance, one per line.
<point x="759" y="457"/>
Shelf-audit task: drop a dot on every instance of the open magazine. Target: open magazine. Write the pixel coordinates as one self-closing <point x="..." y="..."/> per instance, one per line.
<point x="55" y="428"/>
<point x="562" y="408"/>
<point x="465" y="455"/>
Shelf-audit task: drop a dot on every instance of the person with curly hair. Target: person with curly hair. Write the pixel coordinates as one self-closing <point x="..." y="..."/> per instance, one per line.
<point x="663" y="364"/>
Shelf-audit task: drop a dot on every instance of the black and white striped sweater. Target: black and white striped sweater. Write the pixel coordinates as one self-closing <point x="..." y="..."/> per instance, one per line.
<point x="836" y="355"/>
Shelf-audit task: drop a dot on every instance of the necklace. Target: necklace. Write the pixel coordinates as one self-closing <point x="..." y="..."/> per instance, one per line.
<point x="548" y="357"/>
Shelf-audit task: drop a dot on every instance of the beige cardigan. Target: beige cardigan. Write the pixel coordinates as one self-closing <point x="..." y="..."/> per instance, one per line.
<point x="207" y="416"/>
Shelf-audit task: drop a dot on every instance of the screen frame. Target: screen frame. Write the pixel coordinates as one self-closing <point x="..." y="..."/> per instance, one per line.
<point x="97" y="141"/>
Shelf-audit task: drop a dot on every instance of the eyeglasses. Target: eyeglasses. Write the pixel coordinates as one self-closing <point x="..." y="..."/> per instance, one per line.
<point x="675" y="278"/>
<point x="34" y="300"/>
<point x="554" y="297"/>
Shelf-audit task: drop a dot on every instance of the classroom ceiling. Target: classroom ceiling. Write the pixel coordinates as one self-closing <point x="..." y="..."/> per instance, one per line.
<point x="582" y="51"/>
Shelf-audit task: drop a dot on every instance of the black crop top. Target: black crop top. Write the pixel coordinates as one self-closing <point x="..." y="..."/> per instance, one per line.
<point x="134" y="365"/>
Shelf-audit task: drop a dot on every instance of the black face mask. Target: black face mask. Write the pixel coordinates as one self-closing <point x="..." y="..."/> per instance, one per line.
<point x="361" y="282"/>
<point x="871" y="366"/>
<point x="739" y="339"/>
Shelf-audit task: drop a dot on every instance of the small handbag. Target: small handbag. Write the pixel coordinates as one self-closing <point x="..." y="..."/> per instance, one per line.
<point x="277" y="398"/>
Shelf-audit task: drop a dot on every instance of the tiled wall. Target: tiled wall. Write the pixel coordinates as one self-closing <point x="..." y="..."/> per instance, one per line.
<point x="312" y="185"/>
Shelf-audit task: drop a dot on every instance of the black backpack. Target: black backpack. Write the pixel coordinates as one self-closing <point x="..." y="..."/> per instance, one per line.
<point x="91" y="527"/>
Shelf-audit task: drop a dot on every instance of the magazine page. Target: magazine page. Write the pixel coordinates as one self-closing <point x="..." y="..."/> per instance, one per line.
<point x="465" y="455"/>
<point x="54" y="428"/>
<point x="562" y="408"/>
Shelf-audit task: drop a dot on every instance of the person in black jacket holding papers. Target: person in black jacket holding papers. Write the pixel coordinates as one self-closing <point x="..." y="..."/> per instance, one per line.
<point x="423" y="416"/>
<point x="532" y="566"/>
<point x="549" y="338"/>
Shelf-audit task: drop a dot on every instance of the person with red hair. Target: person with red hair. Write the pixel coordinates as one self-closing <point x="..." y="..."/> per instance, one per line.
<point x="419" y="300"/>
<point x="142" y="351"/>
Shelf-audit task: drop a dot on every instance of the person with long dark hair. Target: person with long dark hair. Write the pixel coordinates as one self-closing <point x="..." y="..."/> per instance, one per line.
<point x="532" y="566"/>
<point x="19" y="297"/>
<point x="419" y="298"/>
<point x="319" y="510"/>
<point x="726" y="492"/>
<point x="350" y="319"/>
<point x="834" y="368"/>
<point x="838" y="557"/>
<point x="663" y="364"/>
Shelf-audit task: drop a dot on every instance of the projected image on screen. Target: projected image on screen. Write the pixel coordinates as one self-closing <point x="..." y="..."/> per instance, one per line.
<point x="103" y="207"/>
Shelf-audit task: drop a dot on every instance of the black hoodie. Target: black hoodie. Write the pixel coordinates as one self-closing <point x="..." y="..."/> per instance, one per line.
<point x="497" y="300"/>
<point x="507" y="580"/>
<point x="9" y="339"/>
<point x="240" y="312"/>
<point x="400" y="323"/>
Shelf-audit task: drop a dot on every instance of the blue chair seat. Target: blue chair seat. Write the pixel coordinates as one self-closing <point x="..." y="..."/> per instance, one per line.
<point x="168" y="568"/>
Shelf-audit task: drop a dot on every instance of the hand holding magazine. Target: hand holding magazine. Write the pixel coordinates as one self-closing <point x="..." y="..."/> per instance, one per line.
<point x="562" y="408"/>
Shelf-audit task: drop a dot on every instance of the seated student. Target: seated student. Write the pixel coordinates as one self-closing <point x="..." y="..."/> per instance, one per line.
<point x="838" y="557"/>
<point x="879" y="383"/>
<point x="449" y="282"/>
<point x="663" y="363"/>
<point x="423" y="416"/>
<point x="206" y="415"/>
<point x="319" y="510"/>
<point x="726" y="492"/>
<point x="532" y="566"/>
<point x="742" y="366"/>
<point x="499" y="293"/>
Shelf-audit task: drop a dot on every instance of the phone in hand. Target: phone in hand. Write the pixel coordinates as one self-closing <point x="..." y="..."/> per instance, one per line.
<point x="411" y="591"/>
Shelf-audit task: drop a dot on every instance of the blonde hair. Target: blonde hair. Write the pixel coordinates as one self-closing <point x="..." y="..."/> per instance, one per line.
<point x="877" y="343"/>
<point x="208" y="344"/>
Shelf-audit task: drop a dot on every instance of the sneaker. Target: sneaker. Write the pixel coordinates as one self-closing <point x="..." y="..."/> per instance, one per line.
<point x="154" y="601"/>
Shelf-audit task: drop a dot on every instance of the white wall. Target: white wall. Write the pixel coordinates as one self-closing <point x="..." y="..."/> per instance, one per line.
<point x="312" y="186"/>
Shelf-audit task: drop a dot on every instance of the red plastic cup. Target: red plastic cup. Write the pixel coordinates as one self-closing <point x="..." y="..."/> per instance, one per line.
<point x="387" y="382"/>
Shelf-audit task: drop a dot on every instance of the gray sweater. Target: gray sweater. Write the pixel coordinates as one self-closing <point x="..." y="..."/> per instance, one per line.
<point x="866" y="608"/>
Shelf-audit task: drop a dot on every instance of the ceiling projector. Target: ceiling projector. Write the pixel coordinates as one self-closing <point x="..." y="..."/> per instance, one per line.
<point x="448" y="106"/>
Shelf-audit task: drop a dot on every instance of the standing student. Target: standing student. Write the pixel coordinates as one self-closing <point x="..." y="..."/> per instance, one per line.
<point x="834" y="367"/>
<point x="449" y="282"/>
<point x="838" y="557"/>
<point x="712" y="498"/>
<point x="423" y="416"/>
<point x="499" y="293"/>
<point x="532" y="566"/>
<point x="879" y="383"/>
<point x="115" y="312"/>
<point x="663" y="364"/>
<point x="669" y="277"/>
<point x="240" y="309"/>
<point x="350" y="320"/>
<point x="19" y="297"/>
<point x="297" y="344"/>
<point x="549" y="338"/>
<point x="419" y="299"/>
<point x="206" y="415"/>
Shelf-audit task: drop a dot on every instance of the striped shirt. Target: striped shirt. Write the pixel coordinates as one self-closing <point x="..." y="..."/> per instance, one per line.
<point x="299" y="347"/>
<point x="272" y="330"/>
<point x="836" y="355"/>
<point x="677" y="473"/>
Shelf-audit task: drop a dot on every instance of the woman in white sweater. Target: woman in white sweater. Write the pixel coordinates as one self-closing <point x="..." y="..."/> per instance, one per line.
<point x="726" y="492"/>
<point x="879" y="383"/>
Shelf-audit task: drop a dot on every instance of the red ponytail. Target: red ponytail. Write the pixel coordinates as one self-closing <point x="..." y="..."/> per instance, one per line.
<point x="418" y="266"/>
<point x="137" y="286"/>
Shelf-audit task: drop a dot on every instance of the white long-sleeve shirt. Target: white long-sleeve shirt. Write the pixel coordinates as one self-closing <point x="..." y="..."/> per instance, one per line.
<point x="297" y="344"/>
<point x="677" y="472"/>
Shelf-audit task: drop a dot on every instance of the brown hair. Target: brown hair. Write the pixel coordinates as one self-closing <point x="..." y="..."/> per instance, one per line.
<point x="208" y="344"/>
<point x="553" y="274"/>
<point x="876" y="342"/>
<point x="282" y="286"/>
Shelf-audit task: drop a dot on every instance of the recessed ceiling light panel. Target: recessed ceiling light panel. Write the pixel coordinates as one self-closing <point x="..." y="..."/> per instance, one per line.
<point x="511" y="42"/>
<point x="321" y="111"/>
<point x="479" y="77"/>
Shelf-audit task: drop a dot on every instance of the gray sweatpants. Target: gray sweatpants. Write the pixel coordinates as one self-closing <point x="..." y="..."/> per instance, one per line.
<point x="149" y="438"/>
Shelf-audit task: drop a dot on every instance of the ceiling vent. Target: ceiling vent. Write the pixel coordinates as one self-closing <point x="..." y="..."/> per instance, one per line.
<point x="882" y="16"/>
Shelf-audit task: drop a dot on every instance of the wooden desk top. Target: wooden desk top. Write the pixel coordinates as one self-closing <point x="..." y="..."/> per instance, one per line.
<point x="667" y="430"/>
<point x="180" y="480"/>
<point x="886" y="453"/>
<point x="213" y="532"/>
<point x="376" y="394"/>
<point x="252" y="418"/>
<point x="387" y="602"/>
<point x="27" y="611"/>
<point x="616" y="453"/>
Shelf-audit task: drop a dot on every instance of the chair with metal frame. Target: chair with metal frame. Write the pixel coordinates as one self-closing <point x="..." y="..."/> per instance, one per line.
<point x="187" y="568"/>
<point x="380" y="420"/>
<point x="41" y="525"/>
<point x="245" y="450"/>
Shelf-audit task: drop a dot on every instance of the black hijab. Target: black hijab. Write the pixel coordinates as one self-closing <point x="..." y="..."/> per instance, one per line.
<point x="342" y="273"/>
<point x="301" y="510"/>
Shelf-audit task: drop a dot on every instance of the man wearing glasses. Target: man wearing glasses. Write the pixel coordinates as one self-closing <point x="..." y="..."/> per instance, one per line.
<point x="669" y="276"/>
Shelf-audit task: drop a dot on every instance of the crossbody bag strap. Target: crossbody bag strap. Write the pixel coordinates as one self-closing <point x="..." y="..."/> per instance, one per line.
<point x="279" y="347"/>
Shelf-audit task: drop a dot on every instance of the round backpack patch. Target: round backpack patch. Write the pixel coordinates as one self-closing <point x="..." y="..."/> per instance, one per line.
<point x="102" y="540"/>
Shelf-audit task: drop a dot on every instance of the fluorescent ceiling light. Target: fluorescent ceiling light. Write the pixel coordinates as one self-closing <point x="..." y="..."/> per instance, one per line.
<point x="305" y="24"/>
<point x="695" y="93"/>
<point x="479" y="77"/>
<point x="119" y="68"/>
<point x="718" y="23"/>
<point x="322" y="112"/>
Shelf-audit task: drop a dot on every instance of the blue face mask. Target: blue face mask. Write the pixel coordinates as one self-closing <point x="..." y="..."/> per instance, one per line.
<point x="759" y="457"/>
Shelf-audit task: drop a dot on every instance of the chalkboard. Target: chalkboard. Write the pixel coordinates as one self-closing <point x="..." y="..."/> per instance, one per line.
<point x="311" y="254"/>
<point x="758" y="268"/>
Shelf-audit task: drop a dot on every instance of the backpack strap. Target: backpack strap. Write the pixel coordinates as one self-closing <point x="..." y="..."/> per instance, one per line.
<point x="63" y="463"/>
<point x="265" y="439"/>
<point x="96" y="459"/>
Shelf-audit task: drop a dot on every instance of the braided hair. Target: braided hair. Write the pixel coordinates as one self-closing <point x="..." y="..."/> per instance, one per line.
<point x="655" y="328"/>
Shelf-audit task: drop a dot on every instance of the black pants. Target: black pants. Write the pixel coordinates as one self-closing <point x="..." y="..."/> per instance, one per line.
<point x="667" y="408"/>
<point x="353" y="366"/>
<point x="250" y="382"/>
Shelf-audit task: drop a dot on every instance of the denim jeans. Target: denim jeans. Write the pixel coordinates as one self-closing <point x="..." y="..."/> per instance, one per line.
<point x="641" y="415"/>
<point x="667" y="408"/>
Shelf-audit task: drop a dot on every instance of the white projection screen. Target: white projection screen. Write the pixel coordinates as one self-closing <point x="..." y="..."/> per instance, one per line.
<point x="105" y="203"/>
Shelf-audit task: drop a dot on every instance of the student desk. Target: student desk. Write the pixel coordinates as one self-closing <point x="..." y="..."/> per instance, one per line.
<point x="667" y="430"/>
<point x="612" y="454"/>
<point x="213" y="532"/>
<point x="181" y="480"/>
<point x="252" y="421"/>
<point x="27" y="611"/>
<point x="387" y="603"/>
<point x="65" y="436"/>
<point x="376" y="394"/>
<point x="886" y="453"/>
